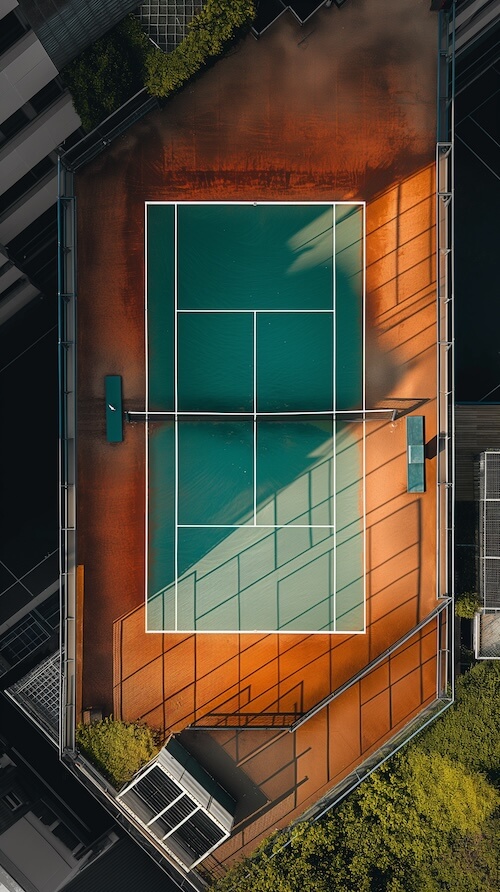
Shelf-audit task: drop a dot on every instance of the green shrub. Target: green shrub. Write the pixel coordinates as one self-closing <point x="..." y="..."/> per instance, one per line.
<point x="124" y="61"/>
<point x="109" y="72"/>
<point x="209" y="33"/>
<point x="467" y="604"/>
<point x="117" y="749"/>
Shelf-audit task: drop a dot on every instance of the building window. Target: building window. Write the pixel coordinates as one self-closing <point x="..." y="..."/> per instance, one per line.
<point x="57" y="827"/>
<point x="34" y="250"/>
<point x="14" y="124"/>
<point x="11" y="30"/>
<point x="10" y="196"/>
<point x="36" y="105"/>
<point x="47" y="95"/>
<point x="12" y="800"/>
<point x="36" y="237"/>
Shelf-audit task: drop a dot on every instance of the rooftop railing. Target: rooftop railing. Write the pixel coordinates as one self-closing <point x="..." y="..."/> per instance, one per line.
<point x="66" y="224"/>
<point x="445" y="562"/>
<point x="115" y="125"/>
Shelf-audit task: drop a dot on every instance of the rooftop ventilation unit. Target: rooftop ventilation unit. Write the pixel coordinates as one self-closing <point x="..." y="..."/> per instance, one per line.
<point x="177" y="801"/>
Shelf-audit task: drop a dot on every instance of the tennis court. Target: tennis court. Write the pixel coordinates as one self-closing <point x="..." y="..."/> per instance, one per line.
<point x="255" y="416"/>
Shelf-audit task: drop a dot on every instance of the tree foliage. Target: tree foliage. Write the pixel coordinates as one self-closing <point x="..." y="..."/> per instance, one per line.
<point x="469" y="732"/>
<point x="427" y="820"/>
<point x="414" y="808"/>
<point x="109" y="72"/>
<point x="218" y="22"/>
<point x="117" y="749"/>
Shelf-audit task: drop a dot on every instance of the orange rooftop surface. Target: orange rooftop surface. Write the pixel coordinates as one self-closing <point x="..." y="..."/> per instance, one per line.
<point x="341" y="109"/>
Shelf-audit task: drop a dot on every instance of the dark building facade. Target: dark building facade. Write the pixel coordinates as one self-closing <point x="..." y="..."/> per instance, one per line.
<point x="67" y="27"/>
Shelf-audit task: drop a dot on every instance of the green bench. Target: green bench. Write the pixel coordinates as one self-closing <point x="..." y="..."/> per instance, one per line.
<point x="114" y="410"/>
<point x="415" y="453"/>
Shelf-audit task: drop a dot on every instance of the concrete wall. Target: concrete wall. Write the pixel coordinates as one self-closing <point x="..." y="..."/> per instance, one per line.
<point x="17" y="298"/>
<point x="25" y="69"/>
<point x="36" y="140"/>
<point x="31" y="206"/>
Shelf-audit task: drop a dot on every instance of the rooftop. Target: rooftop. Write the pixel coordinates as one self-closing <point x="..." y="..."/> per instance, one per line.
<point x="345" y="112"/>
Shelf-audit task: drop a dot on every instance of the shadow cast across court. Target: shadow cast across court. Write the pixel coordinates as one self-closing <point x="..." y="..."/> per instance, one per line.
<point x="226" y="574"/>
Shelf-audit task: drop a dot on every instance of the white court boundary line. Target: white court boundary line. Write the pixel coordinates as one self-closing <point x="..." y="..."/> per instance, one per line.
<point x="176" y="423"/>
<point x="258" y="526"/>
<point x="334" y="423"/>
<point x="363" y="461"/>
<point x="146" y="426"/>
<point x="275" y="204"/>
<point x="255" y="415"/>
<point x="193" y="311"/>
<point x="255" y="419"/>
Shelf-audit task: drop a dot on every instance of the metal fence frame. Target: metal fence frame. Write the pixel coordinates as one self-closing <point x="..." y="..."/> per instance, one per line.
<point x="66" y="236"/>
<point x="176" y="16"/>
<point x="489" y="500"/>
<point x="486" y="635"/>
<point x="37" y="695"/>
<point x="115" y="125"/>
<point x="445" y="458"/>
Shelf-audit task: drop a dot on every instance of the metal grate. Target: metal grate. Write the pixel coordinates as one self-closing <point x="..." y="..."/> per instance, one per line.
<point x="200" y="834"/>
<point x="487" y="636"/>
<point x="492" y="475"/>
<point x="177" y="813"/>
<point x="491" y="581"/>
<point x="157" y="790"/>
<point x="166" y="21"/>
<point x="489" y="529"/>
<point x="38" y="694"/>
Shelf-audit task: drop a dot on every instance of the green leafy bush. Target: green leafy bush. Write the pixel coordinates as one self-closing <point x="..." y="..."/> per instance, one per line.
<point x="467" y="604"/>
<point x="109" y="72"/>
<point x="117" y="749"/>
<point x="209" y="33"/>
<point x="124" y="61"/>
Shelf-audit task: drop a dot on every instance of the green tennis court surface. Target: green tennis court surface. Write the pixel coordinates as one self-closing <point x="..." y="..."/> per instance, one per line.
<point x="255" y="349"/>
